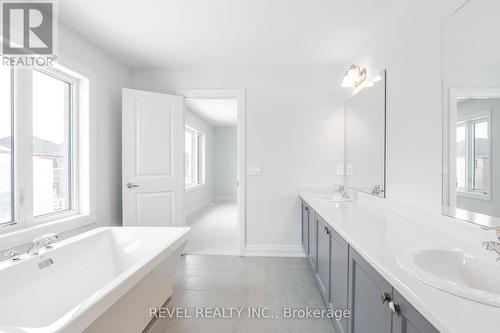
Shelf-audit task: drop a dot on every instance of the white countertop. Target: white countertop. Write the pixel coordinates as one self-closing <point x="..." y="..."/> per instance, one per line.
<point x="379" y="230"/>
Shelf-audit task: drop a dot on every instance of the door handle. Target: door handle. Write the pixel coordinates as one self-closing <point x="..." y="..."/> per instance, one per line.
<point x="130" y="185"/>
<point x="394" y="307"/>
<point x="385" y="297"/>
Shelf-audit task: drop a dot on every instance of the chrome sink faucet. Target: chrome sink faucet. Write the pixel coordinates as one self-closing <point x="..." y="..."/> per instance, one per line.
<point x="493" y="246"/>
<point x="342" y="189"/>
<point x="42" y="241"/>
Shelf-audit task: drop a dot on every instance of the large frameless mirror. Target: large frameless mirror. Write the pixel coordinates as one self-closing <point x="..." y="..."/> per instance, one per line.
<point x="365" y="138"/>
<point x="471" y="126"/>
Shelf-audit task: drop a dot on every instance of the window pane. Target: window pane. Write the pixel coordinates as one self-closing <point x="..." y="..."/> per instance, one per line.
<point x="481" y="157"/>
<point x="188" y="158"/>
<point x="461" y="160"/>
<point x="51" y="144"/>
<point x="6" y="179"/>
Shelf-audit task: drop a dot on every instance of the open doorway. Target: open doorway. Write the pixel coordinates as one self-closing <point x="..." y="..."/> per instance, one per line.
<point x="214" y="171"/>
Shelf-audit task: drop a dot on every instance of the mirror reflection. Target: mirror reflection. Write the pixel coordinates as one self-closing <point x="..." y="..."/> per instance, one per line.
<point x="365" y="138"/>
<point x="471" y="178"/>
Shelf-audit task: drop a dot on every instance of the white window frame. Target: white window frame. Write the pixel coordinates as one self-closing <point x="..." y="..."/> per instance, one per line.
<point x="83" y="212"/>
<point x="469" y="122"/>
<point x="198" y="160"/>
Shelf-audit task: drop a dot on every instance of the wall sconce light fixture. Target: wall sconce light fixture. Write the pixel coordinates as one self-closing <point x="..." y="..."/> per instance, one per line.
<point x="354" y="76"/>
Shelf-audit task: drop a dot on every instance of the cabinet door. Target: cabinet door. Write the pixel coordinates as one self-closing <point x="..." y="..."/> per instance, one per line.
<point x="312" y="239"/>
<point x="305" y="228"/>
<point x="407" y="319"/>
<point x="367" y="289"/>
<point x="339" y="277"/>
<point x="323" y="269"/>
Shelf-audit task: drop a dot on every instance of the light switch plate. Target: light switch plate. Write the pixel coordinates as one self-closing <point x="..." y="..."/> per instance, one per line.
<point x="340" y="169"/>
<point x="254" y="170"/>
<point x="349" y="169"/>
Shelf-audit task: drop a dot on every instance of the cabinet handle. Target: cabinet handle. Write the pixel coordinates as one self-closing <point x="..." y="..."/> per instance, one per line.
<point x="326" y="231"/>
<point x="394" y="307"/>
<point x="385" y="297"/>
<point x="307" y="209"/>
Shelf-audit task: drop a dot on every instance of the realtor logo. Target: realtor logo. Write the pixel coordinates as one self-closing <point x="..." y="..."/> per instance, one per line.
<point x="27" y="28"/>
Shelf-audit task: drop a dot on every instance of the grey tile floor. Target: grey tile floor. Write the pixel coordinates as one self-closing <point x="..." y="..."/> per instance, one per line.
<point x="239" y="282"/>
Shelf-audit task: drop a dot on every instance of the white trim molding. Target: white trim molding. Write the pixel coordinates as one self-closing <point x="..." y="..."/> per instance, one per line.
<point x="239" y="95"/>
<point x="227" y="198"/>
<point x="261" y="250"/>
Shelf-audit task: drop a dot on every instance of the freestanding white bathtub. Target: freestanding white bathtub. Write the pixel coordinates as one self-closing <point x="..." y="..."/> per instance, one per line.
<point x="104" y="280"/>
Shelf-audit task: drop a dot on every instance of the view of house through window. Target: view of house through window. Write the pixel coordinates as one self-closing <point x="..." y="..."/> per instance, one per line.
<point x="194" y="153"/>
<point x="6" y="153"/>
<point x="51" y="144"/>
<point x="473" y="155"/>
<point x="48" y="191"/>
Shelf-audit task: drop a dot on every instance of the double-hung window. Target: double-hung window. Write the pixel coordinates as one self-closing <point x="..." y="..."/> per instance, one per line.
<point x="194" y="157"/>
<point x="473" y="142"/>
<point x="41" y="150"/>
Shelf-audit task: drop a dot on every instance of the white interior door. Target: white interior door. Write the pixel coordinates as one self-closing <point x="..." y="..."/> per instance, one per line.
<point x="153" y="159"/>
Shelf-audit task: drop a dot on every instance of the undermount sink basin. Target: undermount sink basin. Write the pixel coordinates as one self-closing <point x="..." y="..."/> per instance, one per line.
<point x="456" y="272"/>
<point x="331" y="197"/>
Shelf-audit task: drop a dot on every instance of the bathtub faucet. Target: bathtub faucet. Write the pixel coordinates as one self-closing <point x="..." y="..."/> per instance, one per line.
<point x="42" y="241"/>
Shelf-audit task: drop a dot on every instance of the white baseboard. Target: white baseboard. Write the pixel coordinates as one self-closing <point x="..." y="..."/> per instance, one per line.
<point x="256" y="250"/>
<point x="198" y="207"/>
<point x="225" y="199"/>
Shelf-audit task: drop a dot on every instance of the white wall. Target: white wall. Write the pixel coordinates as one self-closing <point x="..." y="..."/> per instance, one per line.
<point x="408" y="45"/>
<point x="294" y="127"/>
<point x="111" y="77"/>
<point x="225" y="159"/>
<point x="200" y="196"/>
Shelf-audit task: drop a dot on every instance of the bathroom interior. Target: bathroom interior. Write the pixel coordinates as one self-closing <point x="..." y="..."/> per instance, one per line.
<point x="250" y="166"/>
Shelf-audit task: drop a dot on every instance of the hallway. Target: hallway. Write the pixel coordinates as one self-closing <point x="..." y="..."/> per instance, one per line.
<point x="214" y="229"/>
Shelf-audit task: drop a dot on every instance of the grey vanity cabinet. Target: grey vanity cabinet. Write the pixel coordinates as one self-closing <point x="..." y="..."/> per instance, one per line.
<point x="347" y="281"/>
<point x="323" y="258"/>
<point x="369" y="294"/>
<point x="339" y="277"/>
<point x="305" y="228"/>
<point x="407" y="319"/>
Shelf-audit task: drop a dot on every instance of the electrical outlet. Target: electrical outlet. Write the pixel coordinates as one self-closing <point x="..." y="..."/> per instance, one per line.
<point x="254" y="170"/>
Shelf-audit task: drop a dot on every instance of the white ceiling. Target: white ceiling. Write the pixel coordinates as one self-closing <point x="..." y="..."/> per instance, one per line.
<point x="217" y="112"/>
<point x="229" y="33"/>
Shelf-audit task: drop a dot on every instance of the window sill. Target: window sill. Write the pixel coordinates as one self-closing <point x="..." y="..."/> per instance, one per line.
<point x="195" y="187"/>
<point x="15" y="235"/>
<point x="472" y="195"/>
